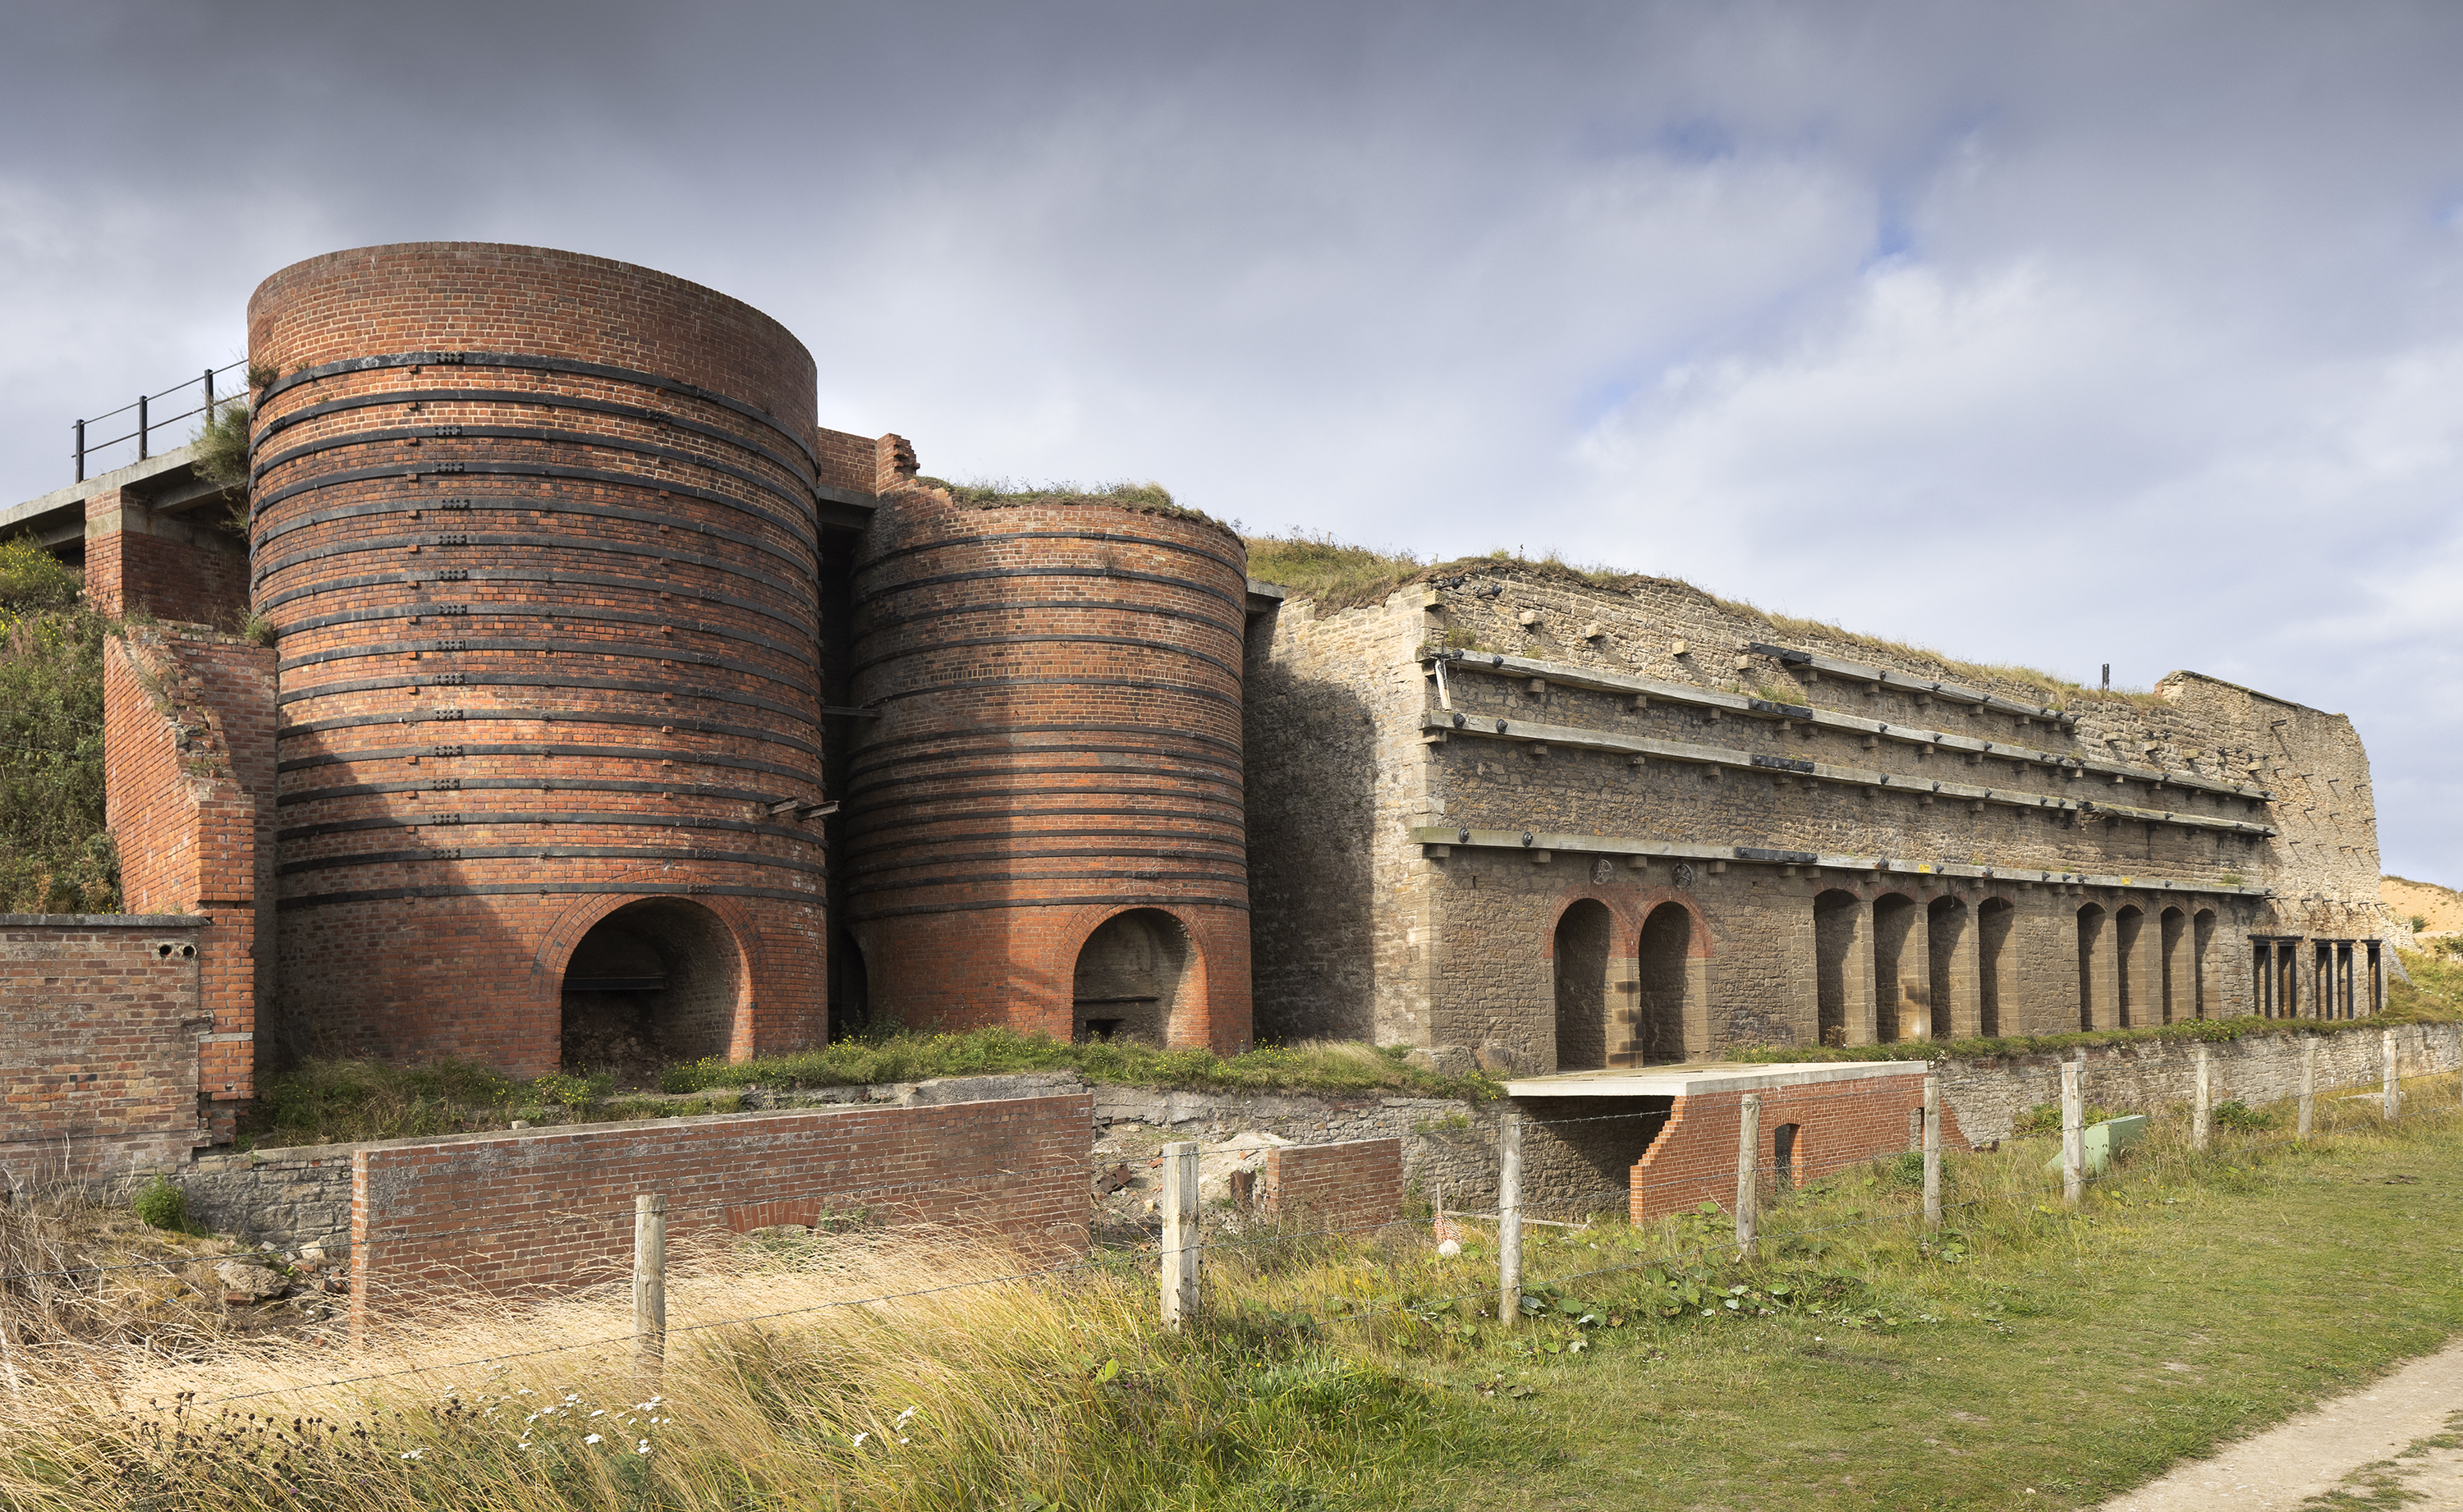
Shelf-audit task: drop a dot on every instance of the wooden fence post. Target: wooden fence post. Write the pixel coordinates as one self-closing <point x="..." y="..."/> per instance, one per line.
<point x="1180" y="1232"/>
<point x="649" y="1286"/>
<point x="2073" y="1135"/>
<point x="2198" y="1110"/>
<point x="2309" y="1083"/>
<point x="1932" y="1150"/>
<point x="2390" y="1089"/>
<point x="1749" y="1151"/>
<point x="1509" y="1218"/>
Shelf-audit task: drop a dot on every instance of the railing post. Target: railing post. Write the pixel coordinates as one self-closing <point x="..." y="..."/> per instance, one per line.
<point x="209" y="395"/>
<point x="649" y="1286"/>
<point x="1180" y="1233"/>
<point x="2073" y="1136"/>
<point x="1509" y="1218"/>
<point x="1749" y="1149"/>
<point x="1932" y="1150"/>
<point x="2308" y="1084"/>
<point x="141" y="428"/>
<point x="80" y="451"/>
<point x="2205" y="1100"/>
<point x="2390" y="1089"/>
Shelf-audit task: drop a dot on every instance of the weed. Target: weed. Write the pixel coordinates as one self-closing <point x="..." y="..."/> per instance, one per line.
<point x="162" y="1204"/>
<point x="221" y="445"/>
<point x="2239" y="1116"/>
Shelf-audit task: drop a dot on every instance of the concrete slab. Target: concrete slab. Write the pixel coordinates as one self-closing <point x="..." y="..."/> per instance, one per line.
<point x="1700" y="1079"/>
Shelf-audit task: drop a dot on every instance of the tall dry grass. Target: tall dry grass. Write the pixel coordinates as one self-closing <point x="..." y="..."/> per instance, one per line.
<point x="950" y="1388"/>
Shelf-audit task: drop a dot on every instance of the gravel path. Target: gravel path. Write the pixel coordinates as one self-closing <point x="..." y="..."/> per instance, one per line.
<point x="2398" y="1441"/>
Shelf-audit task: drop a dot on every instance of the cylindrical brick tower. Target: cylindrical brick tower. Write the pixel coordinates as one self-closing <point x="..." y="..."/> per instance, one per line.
<point x="535" y="533"/>
<point x="1045" y="822"/>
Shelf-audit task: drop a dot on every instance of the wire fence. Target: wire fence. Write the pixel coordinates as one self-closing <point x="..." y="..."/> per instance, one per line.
<point x="145" y="421"/>
<point x="1664" y="1219"/>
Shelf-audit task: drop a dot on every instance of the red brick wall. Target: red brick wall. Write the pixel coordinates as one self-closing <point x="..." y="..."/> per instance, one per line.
<point x="178" y="570"/>
<point x="543" y="1212"/>
<point x="548" y="638"/>
<point x="1839" y="1124"/>
<point x="1355" y="1185"/>
<point x="187" y="793"/>
<point x="1059" y="742"/>
<point x="98" y="1044"/>
<point x="847" y="461"/>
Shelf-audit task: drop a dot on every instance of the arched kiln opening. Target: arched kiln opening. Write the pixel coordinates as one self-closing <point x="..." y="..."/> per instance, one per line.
<point x="1666" y="977"/>
<point x="1132" y="973"/>
<point x="1584" y="940"/>
<point x="653" y="982"/>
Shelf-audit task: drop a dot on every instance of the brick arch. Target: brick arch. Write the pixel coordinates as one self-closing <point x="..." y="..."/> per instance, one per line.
<point x="1193" y="1003"/>
<point x="552" y="958"/>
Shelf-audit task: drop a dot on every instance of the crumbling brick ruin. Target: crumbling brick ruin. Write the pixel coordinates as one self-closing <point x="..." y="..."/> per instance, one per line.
<point x="607" y="699"/>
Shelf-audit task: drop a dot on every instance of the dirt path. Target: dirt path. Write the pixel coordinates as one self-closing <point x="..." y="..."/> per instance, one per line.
<point x="2397" y="1441"/>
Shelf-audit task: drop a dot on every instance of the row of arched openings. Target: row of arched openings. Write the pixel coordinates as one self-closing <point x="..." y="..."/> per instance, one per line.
<point x="1619" y="1009"/>
<point x="2116" y="988"/>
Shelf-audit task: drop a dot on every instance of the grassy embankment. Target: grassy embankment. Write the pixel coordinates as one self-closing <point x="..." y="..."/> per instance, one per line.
<point x="332" y="1102"/>
<point x="2024" y="1357"/>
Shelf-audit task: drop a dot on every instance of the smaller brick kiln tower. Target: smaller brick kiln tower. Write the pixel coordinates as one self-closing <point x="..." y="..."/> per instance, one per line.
<point x="536" y="533"/>
<point x="1045" y="823"/>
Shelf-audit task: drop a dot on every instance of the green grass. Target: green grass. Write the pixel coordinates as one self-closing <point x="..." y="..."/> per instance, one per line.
<point x="329" y="1101"/>
<point x="1316" y="1065"/>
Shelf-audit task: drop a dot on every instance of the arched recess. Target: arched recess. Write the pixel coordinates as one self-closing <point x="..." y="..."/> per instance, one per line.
<point x="1901" y="1002"/>
<point x="1994" y="918"/>
<point x="2202" y="973"/>
<point x="1668" y="991"/>
<point x="1137" y="973"/>
<point x="2129" y="1008"/>
<point x="2094" y="948"/>
<point x="651" y="982"/>
<point x="1580" y="955"/>
<point x="2173" y="967"/>
<point x="1954" y="996"/>
<point x="1837" y="916"/>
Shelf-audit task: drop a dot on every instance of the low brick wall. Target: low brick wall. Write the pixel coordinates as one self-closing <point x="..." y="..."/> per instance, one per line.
<point x="1837" y="1125"/>
<point x="100" y="1034"/>
<point x="542" y="1212"/>
<point x="1354" y="1185"/>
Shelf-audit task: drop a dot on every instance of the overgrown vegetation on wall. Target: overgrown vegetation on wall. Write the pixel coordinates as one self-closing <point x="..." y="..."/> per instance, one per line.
<point x="344" y="1101"/>
<point x="55" y="858"/>
<point x="1334" y="574"/>
<point x="1151" y="498"/>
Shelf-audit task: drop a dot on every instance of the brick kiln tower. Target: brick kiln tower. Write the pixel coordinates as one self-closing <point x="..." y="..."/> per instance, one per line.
<point x="1045" y="825"/>
<point x="536" y="532"/>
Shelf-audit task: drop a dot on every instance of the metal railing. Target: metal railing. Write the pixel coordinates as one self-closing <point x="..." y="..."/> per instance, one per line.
<point x="147" y="423"/>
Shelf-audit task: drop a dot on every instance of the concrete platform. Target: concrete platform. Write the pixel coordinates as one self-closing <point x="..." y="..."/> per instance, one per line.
<point x="1704" y="1078"/>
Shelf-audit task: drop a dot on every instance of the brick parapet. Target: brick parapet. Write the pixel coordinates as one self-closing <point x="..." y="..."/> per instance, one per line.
<point x="1837" y="1125"/>
<point x="542" y="1213"/>
<point x="1348" y="1187"/>
<point x="188" y="780"/>
<point x="99" y="1037"/>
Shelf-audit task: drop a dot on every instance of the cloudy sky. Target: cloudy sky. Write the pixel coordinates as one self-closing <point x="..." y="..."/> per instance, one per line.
<point x="2063" y="334"/>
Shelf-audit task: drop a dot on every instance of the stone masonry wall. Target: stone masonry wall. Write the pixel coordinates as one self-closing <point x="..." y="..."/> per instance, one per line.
<point x="1990" y="1095"/>
<point x="99" y="1026"/>
<point x="1843" y="854"/>
<point x="1338" y="928"/>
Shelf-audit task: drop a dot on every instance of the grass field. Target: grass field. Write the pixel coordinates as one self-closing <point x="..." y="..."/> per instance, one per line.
<point x="2025" y="1356"/>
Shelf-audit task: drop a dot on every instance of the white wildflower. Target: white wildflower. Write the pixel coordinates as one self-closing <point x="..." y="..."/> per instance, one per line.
<point x="642" y="1448"/>
<point x="858" y="1439"/>
<point x="592" y="1439"/>
<point x="416" y="1454"/>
